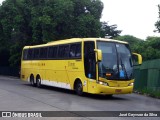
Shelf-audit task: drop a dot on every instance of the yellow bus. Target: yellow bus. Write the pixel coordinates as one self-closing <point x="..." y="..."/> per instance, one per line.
<point x="91" y="65"/>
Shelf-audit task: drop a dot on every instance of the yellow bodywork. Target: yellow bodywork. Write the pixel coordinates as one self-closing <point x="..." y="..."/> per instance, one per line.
<point x="114" y="87"/>
<point x="63" y="73"/>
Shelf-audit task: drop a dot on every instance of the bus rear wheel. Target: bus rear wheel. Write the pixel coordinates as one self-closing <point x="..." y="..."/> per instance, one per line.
<point x="38" y="81"/>
<point x="32" y="81"/>
<point x="79" y="88"/>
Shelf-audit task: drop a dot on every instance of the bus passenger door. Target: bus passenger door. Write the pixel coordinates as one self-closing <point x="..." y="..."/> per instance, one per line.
<point x="90" y="64"/>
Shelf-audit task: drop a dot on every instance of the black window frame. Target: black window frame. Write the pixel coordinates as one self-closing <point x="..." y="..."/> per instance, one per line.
<point x="54" y="53"/>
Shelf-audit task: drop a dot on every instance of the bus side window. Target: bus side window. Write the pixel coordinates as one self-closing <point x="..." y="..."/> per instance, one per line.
<point x="36" y="53"/>
<point x="30" y="54"/>
<point x="25" y="54"/>
<point x="60" y="51"/>
<point x="66" y="51"/>
<point x="55" y="49"/>
<point x="78" y="50"/>
<point x="52" y="52"/>
<point x="43" y="53"/>
<point x="75" y="50"/>
<point x="72" y="51"/>
<point x="63" y="51"/>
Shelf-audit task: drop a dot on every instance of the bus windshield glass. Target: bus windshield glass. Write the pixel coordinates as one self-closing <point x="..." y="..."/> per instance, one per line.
<point x="116" y="61"/>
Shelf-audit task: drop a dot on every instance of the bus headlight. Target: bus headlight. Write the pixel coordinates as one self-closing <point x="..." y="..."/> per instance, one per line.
<point x="103" y="83"/>
<point x="130" y="84"/>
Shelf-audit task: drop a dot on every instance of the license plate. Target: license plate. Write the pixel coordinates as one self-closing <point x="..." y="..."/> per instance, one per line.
<point x="118" y="90"/>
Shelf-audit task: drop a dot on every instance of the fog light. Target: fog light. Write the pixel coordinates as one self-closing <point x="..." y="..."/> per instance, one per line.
<point x="130" y="84"/>
<point x="103" y="83"/>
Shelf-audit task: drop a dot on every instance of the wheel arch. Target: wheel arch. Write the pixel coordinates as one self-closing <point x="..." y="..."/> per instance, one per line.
<point x="38" y="76"/>
<point x="76" y="80"/>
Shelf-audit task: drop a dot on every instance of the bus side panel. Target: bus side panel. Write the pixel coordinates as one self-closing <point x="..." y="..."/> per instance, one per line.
<point x="76" y="71"/>
<point x="56" y="74"/>
<point x="25" y="70"/>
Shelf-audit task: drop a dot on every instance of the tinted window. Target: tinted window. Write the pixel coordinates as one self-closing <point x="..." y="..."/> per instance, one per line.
<point x="63" y="51"/>
<point x="78" y="50"/>
<point x="89" y="60"/>
<point x="89" y="48"/>
<point x="72" y="52"/>
<point x="30" y="54"/>
<point x="43" y="53"/>
<point x="75" y="51"/>
<point x="52" y="52"/>
<point x="36" y="53"/>
<point x="25" y="52"/>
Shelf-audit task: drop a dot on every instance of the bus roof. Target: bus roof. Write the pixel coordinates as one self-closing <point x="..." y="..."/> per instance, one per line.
<point x="72" y="40"/>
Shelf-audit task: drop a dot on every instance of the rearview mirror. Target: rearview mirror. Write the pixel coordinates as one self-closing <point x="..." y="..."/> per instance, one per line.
<point x="99" y="54"/>
<point x="137" y="59"/>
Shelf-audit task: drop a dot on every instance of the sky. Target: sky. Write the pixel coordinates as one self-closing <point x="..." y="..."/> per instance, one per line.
<point x="133" y="17"/>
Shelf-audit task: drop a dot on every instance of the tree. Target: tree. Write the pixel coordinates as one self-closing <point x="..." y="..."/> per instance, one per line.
<point x="157" y="24"/>
<point x="30" y="22"/>
<point x="133" y="41"/>
<point x="152" y="49"/>
<point x="109" y="31"/>
<point x="149" y="49"/>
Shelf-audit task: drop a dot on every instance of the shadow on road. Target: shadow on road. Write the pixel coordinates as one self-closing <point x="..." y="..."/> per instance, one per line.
<point x="86" y="95"/>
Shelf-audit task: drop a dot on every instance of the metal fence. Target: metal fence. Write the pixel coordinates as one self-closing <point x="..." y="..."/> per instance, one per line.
<point x="9" y="71"/>
<point x="147" y="75"/>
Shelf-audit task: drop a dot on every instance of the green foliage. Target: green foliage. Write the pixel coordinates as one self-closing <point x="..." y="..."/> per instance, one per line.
<point x="30" y="22"/>
<point x="14" y="58"/>
<point x="152" y="48"/>
<point x="109" y="31"/>
<point x="157" y="24"/>
<point x="133" y="41"/>
<point x="149" y="92"/>
<point x="4" y="56"/>
<point x="149" y="49"/>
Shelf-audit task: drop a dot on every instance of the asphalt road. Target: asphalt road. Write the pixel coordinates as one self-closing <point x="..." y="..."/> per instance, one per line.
<point x="17" y="95"/>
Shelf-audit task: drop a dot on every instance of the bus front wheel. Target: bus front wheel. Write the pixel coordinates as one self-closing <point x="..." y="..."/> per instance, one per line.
<point x="79" y="88"/>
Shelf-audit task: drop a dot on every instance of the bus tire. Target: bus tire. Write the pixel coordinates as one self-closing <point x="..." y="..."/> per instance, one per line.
<point x="109" y="96"/>
<point x="79" y="88"/>
<point x="32" y="81"/>
<point x="38" y="81"/>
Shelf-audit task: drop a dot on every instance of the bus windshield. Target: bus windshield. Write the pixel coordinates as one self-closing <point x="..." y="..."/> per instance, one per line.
<point x="116" y="61"/>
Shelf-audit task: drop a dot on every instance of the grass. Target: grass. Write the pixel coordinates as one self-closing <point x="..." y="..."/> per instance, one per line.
<point x="149" y="92"/>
